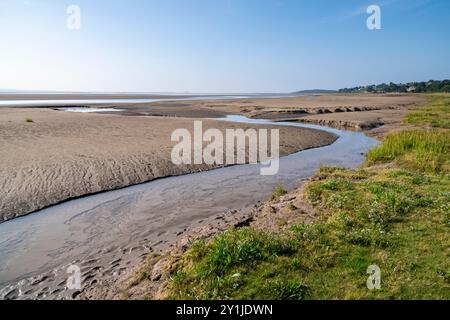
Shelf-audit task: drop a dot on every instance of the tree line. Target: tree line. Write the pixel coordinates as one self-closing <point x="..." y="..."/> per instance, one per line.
<point x="416" y="87"/>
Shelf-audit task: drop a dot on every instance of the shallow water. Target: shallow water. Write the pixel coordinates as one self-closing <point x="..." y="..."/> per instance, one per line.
<point x="71" y="102"/>
<point x="89" y="110"/>
<point x="109" y="232"/>
<point x="127" y="100"/>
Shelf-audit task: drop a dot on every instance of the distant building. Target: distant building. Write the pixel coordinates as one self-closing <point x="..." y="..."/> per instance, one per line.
<point x="411" y="89"/>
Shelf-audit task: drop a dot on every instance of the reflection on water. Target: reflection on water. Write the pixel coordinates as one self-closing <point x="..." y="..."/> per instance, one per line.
<point x="89" y="110"/>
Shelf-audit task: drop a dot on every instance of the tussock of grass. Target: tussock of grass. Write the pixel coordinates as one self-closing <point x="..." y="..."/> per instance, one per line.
<point x="238" y="247"/>
<point x="213" y="270"/>
<point x="278" y="192"/>
<point x="286" y="289"/>
<point x="424" y="150"/>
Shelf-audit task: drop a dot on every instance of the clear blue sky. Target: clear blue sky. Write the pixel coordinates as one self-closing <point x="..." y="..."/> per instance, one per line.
<point x="220" y="45"/>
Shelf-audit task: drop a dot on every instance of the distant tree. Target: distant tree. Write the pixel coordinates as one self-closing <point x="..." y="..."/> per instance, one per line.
<point x="429" y="86"/>
<point x="446" y="88"/>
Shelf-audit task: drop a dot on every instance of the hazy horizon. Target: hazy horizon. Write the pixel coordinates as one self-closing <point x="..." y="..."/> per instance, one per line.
<point x="193" y="47"/>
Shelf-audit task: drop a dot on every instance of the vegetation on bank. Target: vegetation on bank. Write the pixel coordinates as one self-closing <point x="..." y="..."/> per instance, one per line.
<point x="436" y="114"/>
<point x="394" y="213"/>
<point x="278" y="192"/>
<point x="431" y="86"/>
<point x="414" y="149"/>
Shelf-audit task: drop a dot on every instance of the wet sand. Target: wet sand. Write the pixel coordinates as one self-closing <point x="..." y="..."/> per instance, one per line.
<point x="60" y="155"/>
<point x="276" y="108"/>
<point x="374" y="123"/>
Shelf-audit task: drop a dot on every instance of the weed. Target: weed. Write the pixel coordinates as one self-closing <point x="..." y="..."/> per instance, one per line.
<point x="278" y="192"/>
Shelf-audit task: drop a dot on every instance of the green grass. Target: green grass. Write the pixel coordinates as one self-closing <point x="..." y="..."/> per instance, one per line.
<point x="213" y="270"/>
<point x="278" y="192"/>
<point x="397" y="217"/>
<point x="435" y="114"/>
<point x="423" y="150"/>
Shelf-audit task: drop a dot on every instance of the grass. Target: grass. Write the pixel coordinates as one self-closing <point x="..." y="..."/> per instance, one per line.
<point x="278" y="192"/>
<point x="423" y="150"/>
<point x="435" y="114"/>
<point x="215" y="270"/>
<point x="396" y="217"/>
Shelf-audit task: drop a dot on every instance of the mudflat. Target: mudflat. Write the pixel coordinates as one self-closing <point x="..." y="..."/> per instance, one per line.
<point x="276" y="108"/>
<point x="49" y="156"/>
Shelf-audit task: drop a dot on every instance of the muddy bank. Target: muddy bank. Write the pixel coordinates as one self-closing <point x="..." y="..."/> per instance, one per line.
<point x="368" y="121"/>
<point x="373" y="123"/>
<point x="47" y="156"/>
<point x="275" y="108"/>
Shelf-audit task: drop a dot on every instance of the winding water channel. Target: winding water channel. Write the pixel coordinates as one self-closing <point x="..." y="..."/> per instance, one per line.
<point x="107" y="233"/>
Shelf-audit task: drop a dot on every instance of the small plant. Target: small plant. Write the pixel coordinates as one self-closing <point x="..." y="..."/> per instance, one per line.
<point x="292" y="207"/>
<point x="29" y="120"/>
<point x="278" y="192"/>
<point x="286" y="290"/>
<point x="296" y="263"/>
<point x="236" y="247"/>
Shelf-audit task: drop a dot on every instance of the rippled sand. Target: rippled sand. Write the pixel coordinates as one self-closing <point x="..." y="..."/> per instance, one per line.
<point x="58" y="155"/>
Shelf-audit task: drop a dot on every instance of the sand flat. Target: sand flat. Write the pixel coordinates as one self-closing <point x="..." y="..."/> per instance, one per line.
<point x="273" y="108"/>
<point x="61" y="155"/>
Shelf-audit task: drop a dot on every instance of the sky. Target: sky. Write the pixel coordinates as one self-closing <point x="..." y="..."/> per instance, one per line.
<point x="220" y="46"/>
